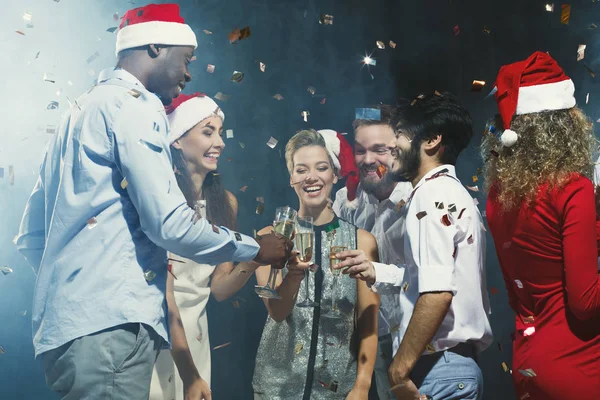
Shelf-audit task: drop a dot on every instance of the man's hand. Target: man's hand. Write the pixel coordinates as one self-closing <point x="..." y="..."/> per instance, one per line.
<point x="401" y="384"/>
<point x="197" y="389"/>
<point x="357" y="264"/>
<point x="275" y="249"/>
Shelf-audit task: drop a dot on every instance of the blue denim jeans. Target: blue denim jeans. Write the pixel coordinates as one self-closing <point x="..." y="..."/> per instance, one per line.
<point x="114" y="364"/>
<point x="449" y="375"/>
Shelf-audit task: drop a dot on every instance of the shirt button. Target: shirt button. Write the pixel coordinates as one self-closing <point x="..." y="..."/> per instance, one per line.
<point x="461" y="385"/>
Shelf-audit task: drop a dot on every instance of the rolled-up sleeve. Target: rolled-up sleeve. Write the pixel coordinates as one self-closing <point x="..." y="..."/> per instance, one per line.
<point x="142" y="155"/>
<point x="31" y="239"/>
<point x="388" y="278"/>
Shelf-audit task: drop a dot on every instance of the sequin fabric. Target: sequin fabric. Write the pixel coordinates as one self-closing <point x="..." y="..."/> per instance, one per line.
<point x="300" y="359"/>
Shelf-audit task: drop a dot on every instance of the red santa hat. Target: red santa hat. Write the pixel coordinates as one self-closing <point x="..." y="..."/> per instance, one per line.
<point x="342" y="155"/>
<point x="530" y="86"/>
<point x="187" y="110"/>
<point x="154" y="24"/>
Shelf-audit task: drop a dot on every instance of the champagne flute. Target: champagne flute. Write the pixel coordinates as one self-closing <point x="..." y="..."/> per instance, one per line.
<point x="285" y="220"/>
<point x="333" y="261"/>
<point x="304" y="243"/>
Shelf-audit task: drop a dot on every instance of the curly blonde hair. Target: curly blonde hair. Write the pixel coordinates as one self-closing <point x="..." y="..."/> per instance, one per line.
<point x="552" y="146"/>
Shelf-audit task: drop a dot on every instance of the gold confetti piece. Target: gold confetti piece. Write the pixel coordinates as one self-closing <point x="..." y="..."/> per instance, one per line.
<point x="221" y="346"/>
<point x="400" y="205"/>
<point x="421" y="214"/>
<point x="134" y="93"/>
<point x="473" y="188"/>
<point x="519" y="283"/>
<point x="272" y="142"/>
<point x="237" y="76"/>
<point x="278" y="97"/>
<point x="529" y="319"/>
<point x="381" y="170"/>
<point x="6" y="269"/>
<point x="229" y="133"/>
<point x="581" y="52"/>
<point x="494" y="291"/>
<point x="91" y="223"/>
<point x="243" y="188"/>
<point x="456" y="30"/>
<point x="326" y="19"/>
<point x="429" y="348"/>
<point x="245" y="33"/>
<point x="550" y="7"/>
<point x="305" y="115"/>
<point x="221" y="96"/>
<point x="207" y="31"/>
<point x="2" y="351"/>
<point x="149" y="275"/>
<point x="210" y="68"/>
<point x="259" y="209"/>
<point x="298" y="348"/>
<point x="262" y="66"/>
<point x="392" y="44"/>
<point x="405" y="286"/>
<point x="477" y="86"/>
<point x="565" y="14"/>
<point x="528" y="372"/>
<point x="475" y="178"/>
<point x="11" y="175"/>
<point x="124" y="184"/>
<point x="504" y="367"/>
<point x="311" y="90"/>
<point x="487" y="30"/>
<point x="380" y="44"/>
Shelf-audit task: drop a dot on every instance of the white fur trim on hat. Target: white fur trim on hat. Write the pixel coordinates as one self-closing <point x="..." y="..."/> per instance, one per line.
<point x="155" y="32"/>
<point x="332" y="143"/>
<point x="509" y="138"/>
<point x="190" y="113"/>
<point x="546" y="97"/>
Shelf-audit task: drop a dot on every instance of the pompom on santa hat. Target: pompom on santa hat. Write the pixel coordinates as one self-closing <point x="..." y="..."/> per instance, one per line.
<point x="188" y="110"/>
<point x="342" y="155"/>
<point x="530" y="86"/>
<point x="154" y="24"/>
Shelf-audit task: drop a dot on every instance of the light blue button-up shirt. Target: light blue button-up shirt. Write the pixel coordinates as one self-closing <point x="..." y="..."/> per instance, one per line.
<point x="103" y="211"/>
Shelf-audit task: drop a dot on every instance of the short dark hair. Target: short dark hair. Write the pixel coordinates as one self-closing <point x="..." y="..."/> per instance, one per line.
<point x="388" y="117"/>
<point x="440" y="114"/>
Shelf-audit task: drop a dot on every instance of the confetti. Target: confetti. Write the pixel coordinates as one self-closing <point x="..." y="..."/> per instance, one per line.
<point x="51" y="129"/>
<point x="456" y="30"/>
<point x="499" y="346"/>
<point x="150" y="146"/>
<point x="229" y="134"/>
<point x="272" y="142"/>
<point x="476" y="202"/>
<point x="369" y="61"/>
<point x="194" y="58"/>
<point x="461" y="213"/>
<point x="53" y="105"/>
<point x="590" y="71"/>
<point x="6" y="269"/>
<point x="405" y="286"/>
<point x="477" y="86"/>
<point x="519" y="284"/>
<point x="243" y="188"/>
<point x="581" y="52"/>
<point x="470" y="240"/>
<point x="421" y="214"/>
<point x="298" y="348"/>
<point x="473" y="188"/>
<point x="112" y="29"/>
<point x="11" y="175"/>
<point x="210" y="68"/>
<point x="368" y="113"/>
<point x="263" y="66"/>
<point x="305" y="115"/>
<point x="392" y="44"/>
<point x="91" y="58"/>
<point x="452" y="208"/>
<point x="237" y="34"/>
<point x="593" y="26"/>
<point x="528" y="372"/>
<point x="525" y="396"/>
<point x="445" y="220"/>
<point x="439" y="205"/>
<point x="529" y="320"/>
<point x="278" y="97"/>
<point x="221" y="96"/>
<point x="494" y="291"/>
<point x="504" y="367"/>
<point x="550" y="7"/>
<point x="475" y="178"/>
<point x="565" y="14"/>
<point x="124" y="184"/>
<point x="400" y="205"/>
<point x="116" y="16"/>
<point x="311" y="90"/>
<point x="587" y="98"/>
<point x="237" y="76"/>
<point x="48" y="77"/>
<point x="529" y="331"/>
<point x="2" y="351"/>
<point x="260" y="208"/>
<point x="380" y="44"/>
<point x="429" y="348"/>
<point x="242" y="145"/>
<point x="221" y="346"/>
<point x="91" y="223"/>
<point x="170" y="269"/>
<point x="326" y="19"/>
<point x="381" y="170"/>
<point x="487" y="30"/>
<point x="149" y="275"/>
<point x="207" y="31"/>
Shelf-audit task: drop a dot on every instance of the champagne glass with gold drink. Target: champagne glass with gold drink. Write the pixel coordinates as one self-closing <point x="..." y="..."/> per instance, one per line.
<point x="304" y="243"/>
<point x="284" y="224"/>
<point x="333" y="261"/>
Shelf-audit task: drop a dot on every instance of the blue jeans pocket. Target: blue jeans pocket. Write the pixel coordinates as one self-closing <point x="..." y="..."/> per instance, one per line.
<point x="126" y="344"/>
<point x="451" y="389"/>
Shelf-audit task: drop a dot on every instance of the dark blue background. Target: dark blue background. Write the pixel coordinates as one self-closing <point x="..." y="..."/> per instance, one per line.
<point x="299" y="52"/>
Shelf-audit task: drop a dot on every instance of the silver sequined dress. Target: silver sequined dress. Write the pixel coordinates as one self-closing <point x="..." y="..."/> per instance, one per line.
<point x="308" y="356"/>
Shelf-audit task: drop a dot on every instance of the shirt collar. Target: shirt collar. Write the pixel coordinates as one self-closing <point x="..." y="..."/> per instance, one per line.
<point x="451" y="172"/>
<point x="119" y="73"/>
<point x="399" y="193"/>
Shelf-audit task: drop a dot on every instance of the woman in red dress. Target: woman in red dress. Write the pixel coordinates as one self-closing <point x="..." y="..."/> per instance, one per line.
<point x="541" y="213"/>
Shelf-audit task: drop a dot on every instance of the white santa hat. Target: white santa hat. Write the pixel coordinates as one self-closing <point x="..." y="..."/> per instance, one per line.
<point x="187" y="110"/>
<point x="154" y="24"/>
<point x="530" y="86"/>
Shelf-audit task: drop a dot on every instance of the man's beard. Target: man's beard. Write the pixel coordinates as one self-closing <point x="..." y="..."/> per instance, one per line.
<point x="381" y="188"/>
<point x="409" y="161"/>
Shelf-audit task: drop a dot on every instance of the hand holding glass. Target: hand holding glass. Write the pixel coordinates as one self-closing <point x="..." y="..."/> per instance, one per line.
<point x="304" y="243"/>
<point x="333" y="261"/>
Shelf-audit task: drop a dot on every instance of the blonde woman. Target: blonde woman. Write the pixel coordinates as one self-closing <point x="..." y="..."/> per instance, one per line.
<point x="542" y="216"/>
<point x="302" y="354"/>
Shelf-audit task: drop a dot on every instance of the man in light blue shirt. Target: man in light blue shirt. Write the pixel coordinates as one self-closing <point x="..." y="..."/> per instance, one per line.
<point x="104" y="209"/>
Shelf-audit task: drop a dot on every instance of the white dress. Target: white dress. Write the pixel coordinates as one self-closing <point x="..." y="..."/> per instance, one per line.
<point x="192" y="290"/>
